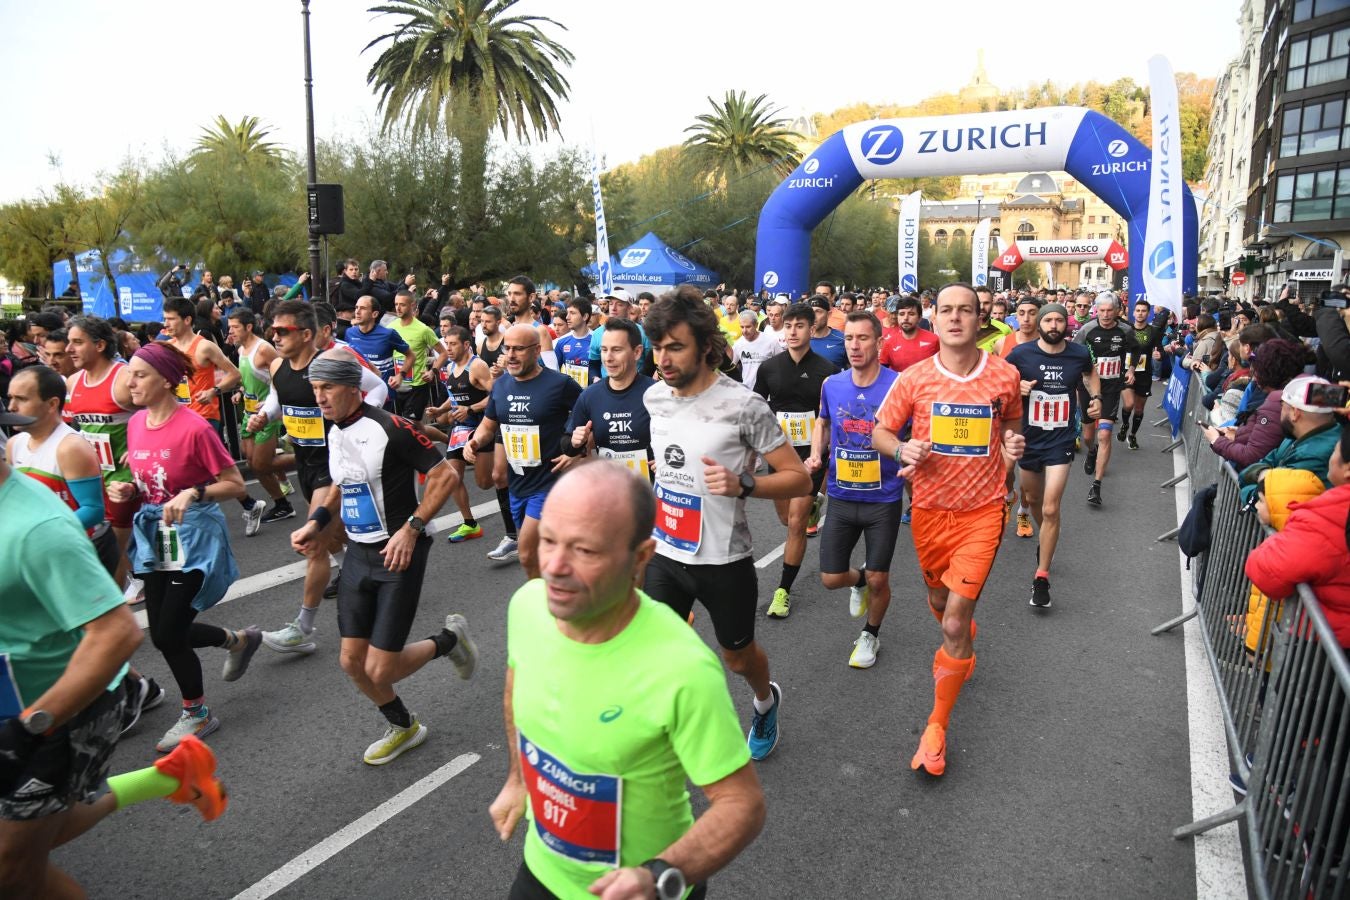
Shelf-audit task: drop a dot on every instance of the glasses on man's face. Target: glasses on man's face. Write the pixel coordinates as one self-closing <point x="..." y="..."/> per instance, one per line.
<point x="519" y="348"/>
<point x="283" y="330"/>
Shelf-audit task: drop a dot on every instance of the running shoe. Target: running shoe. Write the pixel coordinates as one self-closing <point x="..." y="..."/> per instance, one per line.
<point x="465" y="652"/>
<point x="135" y="591"/>
<point x="188" y="725"/>
<point x="1024" y="525"/>
<point x="932" y="752"/>
<point x="253" y="518"/>
<point x="780" y="606"/>
<point x="857" y="600"/>
<point x="290" y="638"/>
<point x="1120" y="436"/>
<point x="330" y="592"/>
<point x="1077" y="444"/>
<point x="1090" y="463"/>
<point x="194" y="766"/>
<point x="865" y="649"/>
<point x="764" y="733"/>
<point x="1134" y="442"/>
<point x="286" y="489"/>
<point x="236" y="661"/>
<point x="1040" y="593"/>
<point x="906" y="515"/>
<point x="509" y="548"/>
<point x="813" y="520"/>
<point x="465" y="533"/>
<point x="1094" y="497"/>
<point x="142" y="694"/>
<point x="395" y="742"/>
<point x="281" y="511"/>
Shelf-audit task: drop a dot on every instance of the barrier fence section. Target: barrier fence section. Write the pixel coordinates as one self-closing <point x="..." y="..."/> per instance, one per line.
<point x="1284" y="692"/>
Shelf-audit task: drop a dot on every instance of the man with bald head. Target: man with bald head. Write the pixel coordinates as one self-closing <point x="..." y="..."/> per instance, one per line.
<point x="373" y="459"/>
<point x="529" y="406"/>
<point x="652" y="705"/>
<point x="752" y="348"/>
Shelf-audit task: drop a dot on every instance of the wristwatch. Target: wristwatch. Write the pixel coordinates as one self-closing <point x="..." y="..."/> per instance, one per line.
<point x="669" y="880"/>
<point x="417" y="524"/>
<point x="39" y="722"/>
<point x="747" y="484"/>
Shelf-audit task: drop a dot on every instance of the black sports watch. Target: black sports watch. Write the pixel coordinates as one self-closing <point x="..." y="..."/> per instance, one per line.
<point x="417" y="524"/>
<point x="747" y="484"/>
<point x="670" y="883"/>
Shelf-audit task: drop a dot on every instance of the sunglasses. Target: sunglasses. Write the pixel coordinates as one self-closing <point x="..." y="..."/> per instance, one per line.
<point x="284" y="330"/>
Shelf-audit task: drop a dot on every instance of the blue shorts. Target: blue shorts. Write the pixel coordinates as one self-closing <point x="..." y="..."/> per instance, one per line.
<point x="1036" y="458"/>
<point x="531" y="506"/>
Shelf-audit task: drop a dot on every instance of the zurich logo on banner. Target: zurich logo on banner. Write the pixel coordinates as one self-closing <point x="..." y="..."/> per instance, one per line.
<point x="771" y="280"/>
<point x="812" y="166"/>
<point x="909" y="284"/>
<point x="980" y="279"/>
<point x="1163" y="264"/>
<point x="1117" y="148"/>
<point x="882" y="145"/>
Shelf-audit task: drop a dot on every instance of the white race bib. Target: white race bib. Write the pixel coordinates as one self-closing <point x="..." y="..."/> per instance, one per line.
<point x="580" y="374"/>
<point x="522" y="446"/>
<point x="1108" y="367"/>
<point x="1048" y="411"/>
<point x="102" y="444"/>
<point x="633" y="459"/>
<point x="797" y="426"/>
<point x="168" y="549"/>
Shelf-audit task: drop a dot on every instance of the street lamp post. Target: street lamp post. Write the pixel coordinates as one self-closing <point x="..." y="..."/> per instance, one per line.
<point x="318" y="276"/>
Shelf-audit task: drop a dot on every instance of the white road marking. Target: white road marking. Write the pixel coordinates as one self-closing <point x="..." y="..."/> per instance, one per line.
<point x="341" y="840"/>
<point x="1219" y="870"/>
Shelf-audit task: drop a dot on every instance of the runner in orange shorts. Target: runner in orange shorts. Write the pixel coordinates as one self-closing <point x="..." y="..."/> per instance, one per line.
<point x="966" y="407"/>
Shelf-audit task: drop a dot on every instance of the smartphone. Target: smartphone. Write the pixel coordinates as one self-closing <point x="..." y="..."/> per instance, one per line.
<point x="1329" y="395"/>
<point x="1201" y="423"/>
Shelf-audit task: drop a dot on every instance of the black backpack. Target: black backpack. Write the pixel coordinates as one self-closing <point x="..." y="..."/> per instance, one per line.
<point x="1194" y="536"/>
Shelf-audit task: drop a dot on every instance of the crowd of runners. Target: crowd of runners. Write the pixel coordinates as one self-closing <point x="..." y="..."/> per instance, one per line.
<point x="952" y="415"/>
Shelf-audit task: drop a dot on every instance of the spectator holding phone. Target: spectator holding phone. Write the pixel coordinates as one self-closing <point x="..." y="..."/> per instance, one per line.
<point x="1274" y="365"/>
<point x="1309" y="424"/>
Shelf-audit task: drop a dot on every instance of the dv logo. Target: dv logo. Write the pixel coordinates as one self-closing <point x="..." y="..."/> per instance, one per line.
<point x="1117" y="148"/>
<point x="1117" y="258"/>
<point x="882" y="145"/>
<point x="1009" y="259"/>
<point x="910" y="283"/>
<point x="771" y="279"/>
<point x="812" y="166"/>
<point x="1162" y="263"/>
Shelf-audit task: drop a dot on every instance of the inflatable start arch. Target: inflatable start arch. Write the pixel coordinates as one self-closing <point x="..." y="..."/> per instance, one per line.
<point x="1097" y="151"/>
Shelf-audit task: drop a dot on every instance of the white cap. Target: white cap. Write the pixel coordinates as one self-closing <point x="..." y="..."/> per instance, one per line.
<point x="1296" y="391"/>
<point x="619" y="294"/>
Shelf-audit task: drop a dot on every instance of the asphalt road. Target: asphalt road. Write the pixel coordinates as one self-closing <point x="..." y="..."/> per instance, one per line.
<point x="1067" y="763"/>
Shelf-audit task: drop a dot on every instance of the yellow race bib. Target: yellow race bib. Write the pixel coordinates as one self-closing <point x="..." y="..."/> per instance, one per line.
<point x="304" y="424"/>
<point x="962" y="429"/>
<point x="797" y="426"/>
<point x="857" y="470"/>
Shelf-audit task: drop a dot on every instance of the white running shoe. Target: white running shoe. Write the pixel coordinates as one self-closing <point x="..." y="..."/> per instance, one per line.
<point x="135" y="591"/>
<point x="465" y="652"/>
<point x="865" y="649"/>
<point x="199" y="726"/>
<point x="507" y="549"/>
<point x="290" y="638"/>
<point x="857" y="601"/>
<point x="395" y="742"/>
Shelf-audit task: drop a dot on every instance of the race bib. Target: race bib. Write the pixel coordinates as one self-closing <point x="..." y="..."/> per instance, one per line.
<point x="633" y="459"/>
<point x="797" y="426"/>
<point x="304" y="424"/>
<point x="251" y="404"/>
<point x="1141" y="364"/>
<point x="679" y="519"/>
<point x="580" y="374"/>
<point x="522" y="446"/>
<point x="459" y="436"/>
<point x="1108" y="367"/>
<point x="576" y="815"/>
<point x="857" y="470"/>
<point x="168" y="549"/>
<point x="182" y="391"/>
<point x="962" y="429"/>
<point x="102" y="444"/>
<point x="1048" y="411"/>
<point x="359" y="515"/>
<point x="11" y="704"/>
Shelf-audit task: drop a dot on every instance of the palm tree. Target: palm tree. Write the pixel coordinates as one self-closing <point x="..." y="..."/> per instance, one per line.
<point x="740" y="135"/>
<point x="239" y="144"/>
<point x="469" y="66"/>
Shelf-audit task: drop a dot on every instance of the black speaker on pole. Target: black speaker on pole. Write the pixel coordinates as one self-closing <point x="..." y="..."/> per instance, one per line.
<point x="325" y="209"/>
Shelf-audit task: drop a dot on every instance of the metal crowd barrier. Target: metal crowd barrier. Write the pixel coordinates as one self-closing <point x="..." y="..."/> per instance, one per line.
<point x="1284" y="694"/>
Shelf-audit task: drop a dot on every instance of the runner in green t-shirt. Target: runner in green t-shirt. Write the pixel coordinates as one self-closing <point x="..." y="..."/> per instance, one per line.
<point x="260" y="448"/>
<point x="415" y="391"/>
<point x="612" y="702"/>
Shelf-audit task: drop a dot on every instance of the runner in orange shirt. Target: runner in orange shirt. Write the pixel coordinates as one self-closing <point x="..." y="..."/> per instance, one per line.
<point x="966" y="406"/>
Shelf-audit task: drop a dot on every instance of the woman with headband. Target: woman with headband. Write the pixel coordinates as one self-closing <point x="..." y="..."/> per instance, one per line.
<point x="180" y="545"/>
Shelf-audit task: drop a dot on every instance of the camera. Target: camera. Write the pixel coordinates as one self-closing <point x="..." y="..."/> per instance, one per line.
<point x="1332" y="396"/>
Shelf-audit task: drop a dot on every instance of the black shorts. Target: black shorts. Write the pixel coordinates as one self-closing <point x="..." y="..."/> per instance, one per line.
<point x="105" y="545"/>
<point x="729" y="592"/>
<point x="375" y="604"/>
<point x="1143" y="383"/>
<point x="68" y="766"/>
<point x="817" y="477"/>
<point x="1036" y="458"/>
<point x="878" y="523"/>
<point x="313" y="476"/>
<point x="1111" y="389"/>
<point x="412" y="404"/>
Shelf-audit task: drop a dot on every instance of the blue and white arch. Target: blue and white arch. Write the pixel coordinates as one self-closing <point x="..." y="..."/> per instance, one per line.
<point x="1097" y="151"/>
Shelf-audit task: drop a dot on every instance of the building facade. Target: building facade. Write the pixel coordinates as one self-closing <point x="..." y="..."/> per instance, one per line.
<point x="1298" y="199"/>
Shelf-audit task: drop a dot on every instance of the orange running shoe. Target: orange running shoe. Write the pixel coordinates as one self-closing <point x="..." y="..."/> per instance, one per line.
<point x="194" y="765"/>
<point x="932" y="752"/>
<point x="1024" y="525"/>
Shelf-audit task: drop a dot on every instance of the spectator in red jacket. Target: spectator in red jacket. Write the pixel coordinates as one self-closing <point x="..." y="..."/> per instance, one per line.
<point x="1274" y="363"/>
<point x="1312" y="548"/>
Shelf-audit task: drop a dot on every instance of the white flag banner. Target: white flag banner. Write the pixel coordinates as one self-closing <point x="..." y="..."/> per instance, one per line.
<point x="909" y="243"/>
<point x="603" y="264"/>
<point x="1049" y="274"/>
<point x="1163" y="240"/>
<point x="979" y="254"/>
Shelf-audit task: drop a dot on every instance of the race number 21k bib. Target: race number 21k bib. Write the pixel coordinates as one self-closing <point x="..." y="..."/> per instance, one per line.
<point x="359" y="515"/>
<point x="168" y="549"/>
<point x="580" y="374"/>
<point x="522" y="446"/>
<point x="576" y="815"/>
<point x="961" y="429"/>
<point x="1048" y="411"/>
<point x="633" y="459"/>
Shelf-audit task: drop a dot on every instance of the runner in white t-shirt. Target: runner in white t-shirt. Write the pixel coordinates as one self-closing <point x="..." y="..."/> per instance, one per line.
<point x="753" y="347"/>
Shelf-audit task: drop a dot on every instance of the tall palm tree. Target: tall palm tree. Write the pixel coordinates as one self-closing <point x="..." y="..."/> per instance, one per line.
<point x="740" y="135"/>
<point x="240" y="143"/>
<point x="470" y="66"/>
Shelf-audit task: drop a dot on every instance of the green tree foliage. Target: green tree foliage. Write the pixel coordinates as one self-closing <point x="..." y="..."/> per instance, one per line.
<point x="236" y="145"/>
<point x="34" y="234"/>
<point x="739" y="136"/>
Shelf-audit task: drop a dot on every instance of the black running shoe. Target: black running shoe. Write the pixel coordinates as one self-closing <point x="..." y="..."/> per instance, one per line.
<point x="1090" y="463"/>
<point x="330" y="592"/>
<point x="1134" y="442"/>
<point x="1040" y="593"/>
<point x="280" y="511"/>
<point x="1095" y="494"/>
<point x="1120" y="435"/>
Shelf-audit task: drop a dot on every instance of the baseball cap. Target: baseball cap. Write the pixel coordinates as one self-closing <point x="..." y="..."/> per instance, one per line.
<point x="9" y="418"/>
<point x="819" y="302"/>
<point x="782" y="298"/>
<point x="619" y="294"/>
<point x="1297" y="388"/>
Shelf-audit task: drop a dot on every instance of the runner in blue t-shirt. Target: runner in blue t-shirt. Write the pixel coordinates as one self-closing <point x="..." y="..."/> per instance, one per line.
<point x="377" y="344"/>
<point x="530" y="405"/>
<point x="620" y="307"/>
<point x="865" y="488"/>
<point x="574" y="348"/>
<point x="610" y="415"/>
<point x="1052" y="371"/>
<point x="825" y="340"/>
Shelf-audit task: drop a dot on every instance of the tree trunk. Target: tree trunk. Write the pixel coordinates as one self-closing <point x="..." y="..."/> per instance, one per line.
<point x="112" y="280"/>
<point x="74" y="269"/>
<point x="471" y="127"/>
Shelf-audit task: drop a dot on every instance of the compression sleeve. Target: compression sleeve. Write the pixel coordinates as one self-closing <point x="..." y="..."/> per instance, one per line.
<point x="88" y="493"/>
<point x="373" y="387"/>
<point x="271" y="406"/>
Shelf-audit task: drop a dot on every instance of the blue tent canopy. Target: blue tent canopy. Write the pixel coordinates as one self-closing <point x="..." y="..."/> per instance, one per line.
<point x="650" y="264"/>
<point x="139" y="298"/>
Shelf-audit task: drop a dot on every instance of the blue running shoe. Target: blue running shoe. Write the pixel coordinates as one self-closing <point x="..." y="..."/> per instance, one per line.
<point x="763" y="736"/>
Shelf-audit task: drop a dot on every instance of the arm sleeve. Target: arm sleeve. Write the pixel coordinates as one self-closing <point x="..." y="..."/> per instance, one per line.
<point x="88" y="493"/>
<point x="705" y="733"/>
<point x="294" y="289"/>
<point x="398" y="343"/>
<point x="414" y="446"/>
<point x="209" y="452"/>
<point x="271" y="405"/>
<point x="373" y="387"/>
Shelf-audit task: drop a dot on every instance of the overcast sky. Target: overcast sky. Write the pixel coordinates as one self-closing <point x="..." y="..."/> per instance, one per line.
<point x="88" y="82"/>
